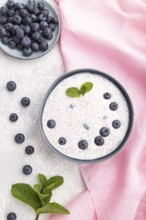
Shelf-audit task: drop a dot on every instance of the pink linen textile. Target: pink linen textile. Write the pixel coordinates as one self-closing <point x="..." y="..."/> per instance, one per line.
<point x="110" y="35"/>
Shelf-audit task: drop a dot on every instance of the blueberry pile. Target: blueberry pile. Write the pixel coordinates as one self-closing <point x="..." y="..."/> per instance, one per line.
<point x="26" y="27"/>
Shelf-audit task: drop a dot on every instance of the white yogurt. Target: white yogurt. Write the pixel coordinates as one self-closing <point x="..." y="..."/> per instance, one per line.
<point x="81" y="118"/>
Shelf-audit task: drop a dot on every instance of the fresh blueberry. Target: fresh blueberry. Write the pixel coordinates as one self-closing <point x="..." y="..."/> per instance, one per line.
<point x="27" y="169"/>
<point x="36" y="11"/>
<point x="19" y="47"/>
<point x="50" y="36"/>
<point x="11" y="216"/>
<point x="83" y="144"/>
<point x="43" y="25"/>
<point x="3" y="11"/>
<point x="26" y="42"/>
<point x="25" y="101"/>
<point x="113" y="106"/>
<point x="11" y="86"/>
<point x="99" y="141"/>
<point x="45" y="12"/>
<point x="49" y="19"/>
<point x="3" y="20"/>
<point x="27" y="29"/>
<point x="11" y="12"/>
<point x="10" y="4"/>
<point x="86" y="126"/>
<point x="62" y="141"/>
<point x="10" y="19"/>
<point x="35" y="46"/>
<point x="12" y="44"/>
<point x="8" y="26"/>
<point x="33" y="17"/>
<point x="17" y="19"/>
<point x="104" y="132"/>
<point x="19" y="138"/>
<point x="42" y="17"/>
<point x="44" y="46"/>
<point x="29" y="150"/>
<point x="3" y="32"/>
<point x="30" y="6"/>
<point x="116" y="124"/>
<point x="5" y="40"/>
<point x="52" y="26"/>
<point x="16" y="39"/>
<point x="51" y="123"/>
<point x="23" y="13"/>
<point x="13" y="117"/>
<point x="107" y="95"/>
<point x="47" y="32"/>
<point x="40" y="5"/>
<point x="27" y="52"/>
<point x="40" y="40"/>
<point x="14" y="28"/>
<point x="27" y="20"/>
<point x="18" y="6"/>
<point x="36" y="35"/>
<point x="19" y="33"/>
<point x="54" y="20"/>
<point x="35" y="27"/>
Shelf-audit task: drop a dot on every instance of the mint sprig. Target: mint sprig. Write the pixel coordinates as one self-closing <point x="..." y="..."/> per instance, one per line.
<point x="74" y="92"/>
<point x="40" y="195"/>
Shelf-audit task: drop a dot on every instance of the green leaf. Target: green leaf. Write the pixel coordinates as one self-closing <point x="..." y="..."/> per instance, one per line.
<point x="37" y="187"/>
<point x="73" y="92"/>
<point x="49" y="188"/>
<point x="43" y="179"/>
<point x="54" y="182"/>
<point x="43" y="197"/>
<point x="26" y="194"/>
<point x="86" y="87"/>
<point x="54" y="208"/>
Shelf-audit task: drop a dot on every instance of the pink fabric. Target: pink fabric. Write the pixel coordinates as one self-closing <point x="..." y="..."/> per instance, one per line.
<point x="110" y="35"/>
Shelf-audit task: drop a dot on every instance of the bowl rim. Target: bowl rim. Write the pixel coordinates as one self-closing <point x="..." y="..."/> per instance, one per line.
<point x="114" y="81"/>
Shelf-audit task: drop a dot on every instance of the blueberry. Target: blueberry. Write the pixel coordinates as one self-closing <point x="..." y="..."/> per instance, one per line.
<point x="36" y="11"/>
<point x="62" y="141"/>
<point x="11" y="216"/>
<point x="10" y="4"/>
<point x="104" y="132"/>
<point x="43" y="25"/>
<point x="30" y="6"/>
<point x="3" y="32"/>
<point x="25" y="101"/>
<point x="40" y="5"/>
<point x="29" y="150"/>
<point x="27" y="21"/>
<point x="116" y="124"/>
<point x="20" y="33"/>
<point x="8" y="26"/>
<point x="23" y="13"/>
<point x="42" y="17"/>
<point x="11" y="86"/>
<point x="19" y="138"/>
<point x="49" y="19"/>
<point x="5" y="40"/>
<point x="27" y="169"/>
<point x="44" y="46"/>
<point x="50" y="36"/>
<point x="11" y="12"/>
<point x="3" y="20"/>
<point x="35" y="27"/>
<point x="52" y="26"/>
<point x="54" y="20"/>
<point x="13" y="117"/>
<point x="3" y="11"/>
<point x="27" y="29"/>
<point x="51" y="123"/>
<point x="40" y="40"/>
<point x="10" y="19"/>
<point x="17" y="19"/>
<point x="107" y="95"/>
<point x="18" y="6"/>
<point x="14" y="28"/>
<point x="35" y="46"/>
<point x="19" y="47"/>
<point x="36" y="35"/>
<point x="83" y="144"/>
<point x="45" y="12"/>
<point x="47" y="32"/>
<point x="33" y="17"/>
<point x="27" y="52"/>
<point x="26" y="42"/>
<point x="12" y="44"/>
<point x="99" y="141"/>
<point x="113" y="106"/>
<point x="16" y="39"/>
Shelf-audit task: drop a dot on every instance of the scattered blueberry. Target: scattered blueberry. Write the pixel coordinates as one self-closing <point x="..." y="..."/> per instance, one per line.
<point x="116" y="124"/>
<point x="99" y="141"/>
<point x="113" y="106"/>
<point x="19" y="138"/>
<point x="25" y="101"/>
<point x="107" y="95"/>
<point x="86" y="126"/>
<point x="83" y="144"/>
<point x="104" y="132"/>
<point x="29" y="150"/>
<point x="11" y="216"/>
<point x="62" y="141"/>
<point x="11" y="86"/>
<point x="27" y="169"/>
<point x="13" y="117"/>
<point x="43" y="46"/>
<point x="51" y="123"/>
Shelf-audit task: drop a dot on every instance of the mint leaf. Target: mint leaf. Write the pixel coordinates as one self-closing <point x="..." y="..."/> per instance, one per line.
<point x="57" y="180"/>
<point x="86" y="87"/>
<point x="73" y="92"/>
<point x="43" y="179"/>
<point x="43" y="197"/>
<point x="37" y="187"/>
<point x="26" y="194"/>
<point x="53" y="208"/>
<point x="49" y="188"/>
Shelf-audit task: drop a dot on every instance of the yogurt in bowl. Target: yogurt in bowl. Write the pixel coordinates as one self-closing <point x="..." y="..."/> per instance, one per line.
<point x="90" y="123"/>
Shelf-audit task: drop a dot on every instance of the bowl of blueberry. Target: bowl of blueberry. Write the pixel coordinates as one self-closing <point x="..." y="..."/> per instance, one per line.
<point x="86" y="116"/>
<point x="28" y="29"/>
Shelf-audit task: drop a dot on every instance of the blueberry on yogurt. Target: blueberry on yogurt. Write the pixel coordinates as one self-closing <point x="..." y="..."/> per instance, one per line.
<point x="113" y="106"/>
<point x="99" y="141"/>
<point x="83" y="144"/>
<point x="62" y="141"/>
<point x="107" y="95"/>
<point x="104" y="132"/>
<point x="51" y="123"/>
<point x="116" y="124"/>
